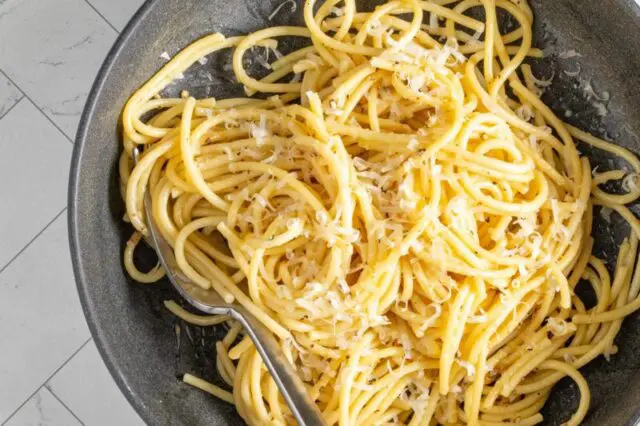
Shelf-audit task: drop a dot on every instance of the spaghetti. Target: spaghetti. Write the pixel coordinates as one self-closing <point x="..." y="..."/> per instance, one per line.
<point x="405" y="215"/>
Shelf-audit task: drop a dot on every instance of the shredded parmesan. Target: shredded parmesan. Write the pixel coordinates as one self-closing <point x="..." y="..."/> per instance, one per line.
<point x="631" y="183"/>
<point x="259" y="131"/>
<point x="294" y="7"/>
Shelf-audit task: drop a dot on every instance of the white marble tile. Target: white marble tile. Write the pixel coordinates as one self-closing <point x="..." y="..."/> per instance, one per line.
<point x="42" y="409"/>
<point x="41" y="321"/>
<point x="117" y="12"/>
<point x="34" y="169"/>
<point x="9" y="95"/>
<point x="61" y="46"/>
<point x="87" y="388"/>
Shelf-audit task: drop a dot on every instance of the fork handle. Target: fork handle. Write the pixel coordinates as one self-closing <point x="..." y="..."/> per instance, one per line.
<point x="304" y="410"/>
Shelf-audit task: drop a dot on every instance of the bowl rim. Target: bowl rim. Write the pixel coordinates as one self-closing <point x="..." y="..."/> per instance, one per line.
<point x="73" y="195"/>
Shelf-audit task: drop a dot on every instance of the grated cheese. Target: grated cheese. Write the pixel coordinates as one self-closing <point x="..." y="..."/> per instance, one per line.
<point x="264" y="61"/>
<point x="631" y="182"/>
<point x="558" y="326"/>
<point x="344" y="286"/>
<point x="263" y="201"/>
<point x="543" y="83"/>
<point x="337" y="11"/>
<point x="431" y="320"/>
<point x="525" y="113"/>
<point x="260" y="131"/>
<point x="433" y="21"/>
<point x="470" y="368"/>
<point x="294" y="7"/>
<point x="375" y="28"/>
<point x="605" y="213"/>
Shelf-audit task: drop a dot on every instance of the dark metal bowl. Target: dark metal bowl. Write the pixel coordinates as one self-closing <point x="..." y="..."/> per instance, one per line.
<point x="138" y="339"/>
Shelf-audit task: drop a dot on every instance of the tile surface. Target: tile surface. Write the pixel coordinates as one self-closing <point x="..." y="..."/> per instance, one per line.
<point x="62" y="44"/>
<point x="44" y="336"/>
<point x="87" y="388"/>
<point x="9" y="95"/>
<point x="28" y="138"/>
<point x="117" y="12"/>
<point x="50" y="52"/>
<point x="43" y="409"/>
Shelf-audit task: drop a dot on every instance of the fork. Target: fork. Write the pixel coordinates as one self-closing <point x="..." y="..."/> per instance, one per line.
<point x="303" y="409"/>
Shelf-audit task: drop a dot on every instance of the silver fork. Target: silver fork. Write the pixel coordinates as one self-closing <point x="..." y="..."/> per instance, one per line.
<point x="304" y="410"/>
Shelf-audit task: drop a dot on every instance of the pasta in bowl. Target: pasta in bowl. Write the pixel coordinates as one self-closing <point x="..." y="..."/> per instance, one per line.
<point x="400" y="209"/>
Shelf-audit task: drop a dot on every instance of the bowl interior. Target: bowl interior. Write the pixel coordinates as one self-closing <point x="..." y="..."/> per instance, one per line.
<point x="593" y="51"/>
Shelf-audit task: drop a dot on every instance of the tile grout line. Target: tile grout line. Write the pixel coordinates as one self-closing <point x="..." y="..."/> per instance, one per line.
<point x="102" y="16"/>
<point x="46" y="386"/>
<point x="32" y="240"/>
<point x="26" y="95"/>
<point x="47" y="380"/>
<point x="14" y="105"/>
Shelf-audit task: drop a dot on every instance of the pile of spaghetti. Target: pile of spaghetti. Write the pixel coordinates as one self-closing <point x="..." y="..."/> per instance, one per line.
<point x="400" y="209"/>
